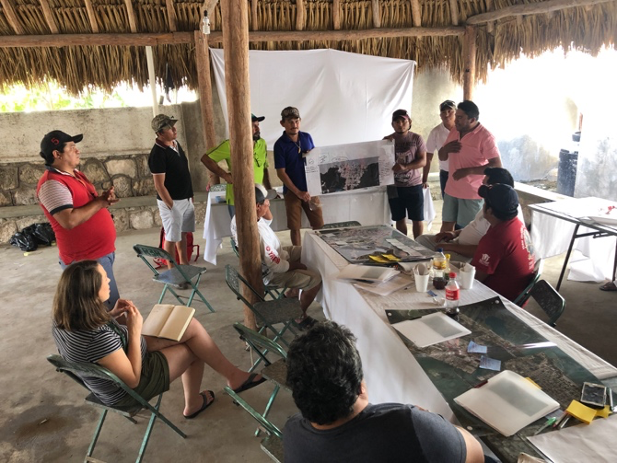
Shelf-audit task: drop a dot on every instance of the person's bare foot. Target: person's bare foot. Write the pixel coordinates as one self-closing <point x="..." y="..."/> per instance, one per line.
<point x="608" y="287"/>
<point x="202" y="402"/>
<point x="250" y="380"/>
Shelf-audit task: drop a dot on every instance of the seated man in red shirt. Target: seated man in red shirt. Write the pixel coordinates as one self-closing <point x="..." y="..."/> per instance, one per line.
<point x="504" y="258"/>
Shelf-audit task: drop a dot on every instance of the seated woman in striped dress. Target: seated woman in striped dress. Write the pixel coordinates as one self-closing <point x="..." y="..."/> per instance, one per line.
<point x="86" y="332"/>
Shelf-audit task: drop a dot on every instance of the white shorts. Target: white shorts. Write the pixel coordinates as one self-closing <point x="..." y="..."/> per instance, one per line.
<point x="179" y="219"/>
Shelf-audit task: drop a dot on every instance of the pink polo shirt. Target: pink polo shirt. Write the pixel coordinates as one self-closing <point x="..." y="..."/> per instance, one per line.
<point x="477" y="148"/>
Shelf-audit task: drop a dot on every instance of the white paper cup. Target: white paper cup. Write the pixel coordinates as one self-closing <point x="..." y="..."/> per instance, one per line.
<point x="467" y="278"/>
<point x="421" y="282"/>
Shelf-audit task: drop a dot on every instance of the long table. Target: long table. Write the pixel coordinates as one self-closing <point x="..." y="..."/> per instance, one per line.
<point x="392" y="373"/>
<point x="368" y="206"/>
<point x="563" y="225"/>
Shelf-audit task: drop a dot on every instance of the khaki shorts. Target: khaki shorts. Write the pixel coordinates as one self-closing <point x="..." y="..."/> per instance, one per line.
<point x="298" y="278"/>
<point x="293" y="205"/>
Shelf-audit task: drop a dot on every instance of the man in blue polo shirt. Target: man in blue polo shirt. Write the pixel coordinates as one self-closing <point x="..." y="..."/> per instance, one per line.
<point x="170" y="169"/>
<point x="290" y="151"/>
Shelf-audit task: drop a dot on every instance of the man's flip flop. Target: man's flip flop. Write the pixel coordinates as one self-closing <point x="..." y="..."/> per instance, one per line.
<point x="249" y="383"/>
<point x="205" y="405"/>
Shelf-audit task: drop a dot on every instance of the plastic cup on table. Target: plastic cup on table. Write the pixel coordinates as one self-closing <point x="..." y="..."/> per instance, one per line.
<point x="421" y="282"/>
<point x="466" y="276"/>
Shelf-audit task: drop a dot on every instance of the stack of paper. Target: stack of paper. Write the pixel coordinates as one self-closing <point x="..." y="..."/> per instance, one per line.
<point x="431" y="329"/>
<point x="386" y="288"/>
<point x="367" y="273"/>
<point x="507" y="402"/>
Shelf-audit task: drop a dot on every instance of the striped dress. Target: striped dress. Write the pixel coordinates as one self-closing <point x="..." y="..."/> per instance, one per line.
<point x="89" y="346"/>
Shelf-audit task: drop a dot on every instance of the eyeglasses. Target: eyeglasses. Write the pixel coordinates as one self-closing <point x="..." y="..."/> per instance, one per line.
<point x="448" y="104"/>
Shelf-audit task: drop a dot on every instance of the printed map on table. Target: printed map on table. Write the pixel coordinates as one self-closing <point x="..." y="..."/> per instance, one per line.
<point x="340" y="168"/>
<point x="358" y="244"/>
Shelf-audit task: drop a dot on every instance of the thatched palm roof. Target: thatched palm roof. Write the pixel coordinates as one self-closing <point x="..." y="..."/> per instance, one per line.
<point x="512" y="28"/>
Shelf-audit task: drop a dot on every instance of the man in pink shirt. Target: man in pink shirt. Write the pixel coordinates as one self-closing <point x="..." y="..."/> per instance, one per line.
<point x="469" y="149"/>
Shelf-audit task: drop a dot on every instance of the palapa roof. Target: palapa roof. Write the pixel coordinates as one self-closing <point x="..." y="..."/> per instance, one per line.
<point x="430" y="32"/>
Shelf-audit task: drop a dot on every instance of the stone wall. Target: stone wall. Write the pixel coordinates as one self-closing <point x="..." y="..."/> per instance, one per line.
<point x="129" y="174"/>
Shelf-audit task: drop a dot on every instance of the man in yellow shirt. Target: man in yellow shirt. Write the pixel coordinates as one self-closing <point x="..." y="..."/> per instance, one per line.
<point x="222" y="152"/>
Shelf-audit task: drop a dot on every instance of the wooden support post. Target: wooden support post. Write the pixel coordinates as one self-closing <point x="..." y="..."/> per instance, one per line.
<point x="454" y="12"/>
<point x="375" y="13"/>
<point x="469" y="62"/>
<point x="11" y="17"/>
<point x="92" y="17"/>
<point x="171" y="15"/>
<point x="254" y="15"/>
<point x="336" y="14"/>
<point x="300" y="15"/>
<point x="202" y="58"/>
<point x="416" y="13"/>
<point x="236" y="51"/>
<point x="49" y="18"/>
<point x="131" y="15"/>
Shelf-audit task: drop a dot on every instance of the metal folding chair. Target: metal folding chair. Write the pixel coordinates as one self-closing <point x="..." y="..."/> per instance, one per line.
<point x="267" y="312"/>
<point x="77" y="370"/>
<point x="178" y="275"/>
<point x="275" y="371"/>
<point x="272" y="291"/>
<point x="522" y="298"/>
<point x="550" y="301"/>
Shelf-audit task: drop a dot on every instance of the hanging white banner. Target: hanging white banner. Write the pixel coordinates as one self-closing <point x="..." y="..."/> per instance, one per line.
<point x="342" y="97"/>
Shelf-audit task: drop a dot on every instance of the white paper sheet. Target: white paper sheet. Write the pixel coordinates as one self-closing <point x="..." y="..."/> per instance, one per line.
<point x="431" y="329"/>
<point x="349" y="167"/>
<point x="581" y="443"/>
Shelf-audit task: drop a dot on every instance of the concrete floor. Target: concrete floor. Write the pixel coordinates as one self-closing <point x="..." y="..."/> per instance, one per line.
<point x="45" y="419"/>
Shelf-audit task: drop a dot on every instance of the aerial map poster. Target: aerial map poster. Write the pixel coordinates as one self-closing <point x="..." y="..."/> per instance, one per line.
<point x="340" y="168"/>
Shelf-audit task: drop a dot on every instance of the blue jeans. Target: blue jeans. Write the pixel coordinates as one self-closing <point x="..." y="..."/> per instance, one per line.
<point x="107" y="262"/>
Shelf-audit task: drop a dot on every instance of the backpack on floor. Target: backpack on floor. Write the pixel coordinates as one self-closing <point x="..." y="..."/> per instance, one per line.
<point x="190" y="248"/>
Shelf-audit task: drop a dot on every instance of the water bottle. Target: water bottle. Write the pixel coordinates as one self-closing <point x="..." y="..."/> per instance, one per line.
<point x="452" y="295"/>
<point x="439" y="267"/>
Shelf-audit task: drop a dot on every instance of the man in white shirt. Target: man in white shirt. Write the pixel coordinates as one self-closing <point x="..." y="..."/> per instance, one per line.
<point x="281" y="266"/>
<point x="461" y="244"/>
<point x="436" y="139"/>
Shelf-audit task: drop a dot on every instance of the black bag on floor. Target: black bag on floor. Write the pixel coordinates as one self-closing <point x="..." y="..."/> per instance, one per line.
<point x="44" y="234"/>
<point x="23" y="241"/>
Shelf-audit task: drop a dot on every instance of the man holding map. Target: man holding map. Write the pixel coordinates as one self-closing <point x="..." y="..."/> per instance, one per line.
<point x="406" y="195"/>
<point x="290" y="151"/>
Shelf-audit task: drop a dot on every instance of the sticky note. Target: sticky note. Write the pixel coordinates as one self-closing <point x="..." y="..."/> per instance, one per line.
<point x="475" y="348"/>
<point x="581" y="412"/>
<point x="391" y="257"/>
<point x="533" y="382"/>
<point x="378" y="259"/>
<point x="490" y="363"/>
<point x="604" y="413"/>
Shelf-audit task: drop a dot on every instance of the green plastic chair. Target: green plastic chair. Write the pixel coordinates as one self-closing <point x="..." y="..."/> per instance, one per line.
<point x="77" y="370"/>
<point x="267" y="312"/>
<point x="179" y="274"/>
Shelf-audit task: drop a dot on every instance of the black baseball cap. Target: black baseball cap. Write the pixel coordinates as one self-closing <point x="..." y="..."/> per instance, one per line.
<point x="401" y="114"/>
<point x="55" y="140"/>
<point x="500" y="197"/>
<point x="257" y="118"/>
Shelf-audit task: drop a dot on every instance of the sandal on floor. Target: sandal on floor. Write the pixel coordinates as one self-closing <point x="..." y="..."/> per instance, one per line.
<point x="608" y="287"/>
<point x="249" y="383"/>
<point x="205" y="405"/>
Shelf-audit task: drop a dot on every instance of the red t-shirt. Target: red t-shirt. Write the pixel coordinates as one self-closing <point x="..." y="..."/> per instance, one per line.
<point x="506" y="254"/>
<point x="92" y="239"/>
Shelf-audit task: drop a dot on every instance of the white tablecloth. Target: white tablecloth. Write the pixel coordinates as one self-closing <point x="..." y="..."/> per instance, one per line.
<point x="551" y="237"/>
<point x="369" y="207"/>
<point x="391" y="372"/>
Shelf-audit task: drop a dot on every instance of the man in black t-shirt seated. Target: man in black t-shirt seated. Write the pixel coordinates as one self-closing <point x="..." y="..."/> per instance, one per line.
<point x="338" y="424"/>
